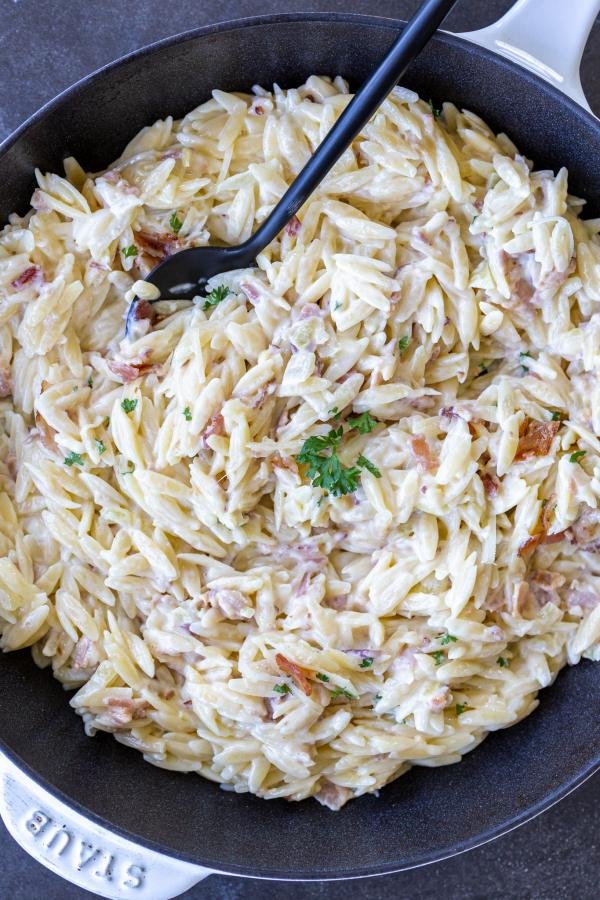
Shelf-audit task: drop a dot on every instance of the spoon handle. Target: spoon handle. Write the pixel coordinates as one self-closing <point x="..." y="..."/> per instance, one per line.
<point x="366" y="101"/>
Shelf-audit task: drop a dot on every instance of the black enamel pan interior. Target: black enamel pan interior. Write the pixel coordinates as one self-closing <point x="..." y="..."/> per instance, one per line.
<point x="429" y="813"/>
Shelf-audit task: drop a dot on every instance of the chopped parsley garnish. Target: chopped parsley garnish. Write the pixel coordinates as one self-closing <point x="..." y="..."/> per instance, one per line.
<point x="187" y="414"/>
<point x="100" y="447"/>
<point x="378" y="697"/>
<point x="575" y="457"/>
<point x="175" y="223"/>
<point x="132" y="250"/>
<point x="403" y="344"/>
<point x="326" y="471"/>
<point x="438" y="655"/>
<point x="556" y="416"/>
<point x="365" y="423"/>
<point x="337" y="306"/>
<point x="437" y="112"/>
<point x="90" y="382"/>
<point x="282" y="688"/>
<point x="503" y="663"/>
<point x="367" y="662"/>
<point x="130" y="470"/>
<point x="322" y="677"/>
<point x="217" y="294"/>
<point x="342" y="692"/>
<point x="365" y="463"/>
<point x="522" y="356"/>
<point x="128" y="405"/>
<point x="335" y="413"/>
<point x="483" y="369"/>
<point x="460" y="708"/>
<point x="73" y="459"/>
<point x="447" y="638"/>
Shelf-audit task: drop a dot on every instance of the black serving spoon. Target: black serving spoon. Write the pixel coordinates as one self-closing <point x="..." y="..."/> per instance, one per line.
<point x="183" y="275"/>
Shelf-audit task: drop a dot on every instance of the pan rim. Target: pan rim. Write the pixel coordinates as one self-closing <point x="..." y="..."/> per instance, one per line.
<point x="417" y="860"/>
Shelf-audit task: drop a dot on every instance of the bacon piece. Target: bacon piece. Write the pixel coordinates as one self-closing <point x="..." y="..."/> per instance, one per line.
<point x="233" y="604"/>
<point x="440" y="700"/>
<point x="38" y="201"/>
<point x="284" y="462"/>
<point x="581" y="598"/>
<point x="293" y="226"/>
<point x="495" y="600"/>
<point x="422" y="453"/>
<point x="25" y="277"/>
<point x="6" y="385"/>
<point x="536" y="540"/>
<point x="143" y="309"/>
<point x="250" y="291"/>
<point x="122" y="710"/>
<point x="585" y="531"/>
<point x="85" y="654"/>
<point x="128" y="372"/>
<point x="299" y="675"/>
<point x="216" y="425"/>
<point x="338" y="602"/>
<point x="333" y="796"/>
<point x="311" y="310"/>
<point x="157" y="245"/>
<point x="535" y="438"/>
<point x="46" y="433"/>
<point x="490" y="484"/>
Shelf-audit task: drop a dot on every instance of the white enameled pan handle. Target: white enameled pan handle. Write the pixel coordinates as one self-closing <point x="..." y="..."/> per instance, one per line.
<point x="85" y="853"/>
<point x="547" y="37"/>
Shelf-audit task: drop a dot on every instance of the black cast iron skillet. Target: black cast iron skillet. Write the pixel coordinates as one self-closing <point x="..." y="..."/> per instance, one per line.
<point x="427" y="814"/>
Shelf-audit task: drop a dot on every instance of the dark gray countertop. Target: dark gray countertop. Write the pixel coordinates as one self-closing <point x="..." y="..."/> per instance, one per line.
<point x="45" y="45"/>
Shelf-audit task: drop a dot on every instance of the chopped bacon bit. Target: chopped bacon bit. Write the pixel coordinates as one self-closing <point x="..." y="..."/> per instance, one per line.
<point x="395" y="297"/>
<point x="284" y="462"/>
<point x="535" y="438"/>
<point x="128" y="372"/>
<point x="46" y="433"/>
<point x="216" y="425"/>
<point x="157" y="245"/>
<point x="250" y="291"/>
<point x="522" y="290"/>
<point x="299" y="675"/>
<point x="548" y="513"/>
<point x="311" y="310"/>
<point x="85" y="654"/>
<point x="6" y="385"/>
<point x="422" y="453"/>
<point x="533" y="542"/>
<point x="333" y="796"/>
<point x="490" y="484"/>
<point x="38" y="201"/>
<point x="11" y="465"/>
<point x="581" y="598"/>
<point x="339" y="602"/>
<point x="124" y="709"/>
<point x="233" y="604"/>
<point x="25" y="277"/>
<point x="440" y="700"/>
<point x="585" y="531"/>
<point x="143" y="309"/>
<point x="293" y="226"/>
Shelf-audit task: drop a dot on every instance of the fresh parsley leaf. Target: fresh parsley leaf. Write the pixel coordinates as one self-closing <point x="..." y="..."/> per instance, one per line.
<point x="342" y="692"/>
<point x="217" y="294"/>
<point x="337" y="306"/>
<point x="522" y="356"/>
<point x="437" y="112"/>
<point x="90" y="382"/>
<point x="575" y="457"/>
<point x="100" y="447"/>
<point x="483" y="369"/>
<point x="556" y="416"/>
<point x="128" y="405"/>
<point x="460" y="708"/>
<point x="175" y="223"/>
<point x="367" y="662"/>
<point x="132" y="250"/>
<point x="335" y="413"/>
<point x="282" y="688"/>
<point x="438" y="655"/>
<point x="503" y="663"/>
<point x="73" y="459"/>
<point x="378" y="697"/>
<point x="319" y="442"/>
<point x="365" y="423"/>
<point x="447" y="638"/>
<point x="403" y="344"/>
<point x="326" y="471"/>
<point x="322" y="677"/>
<point x="365" y="463"/>
<point x="187" y="414"/>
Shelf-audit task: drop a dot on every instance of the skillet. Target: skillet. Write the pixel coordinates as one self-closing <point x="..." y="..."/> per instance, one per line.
<point x="93" y="810"/>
